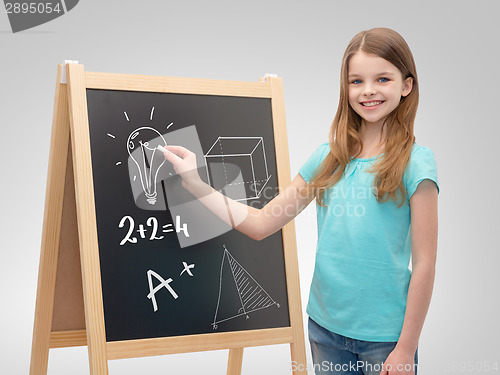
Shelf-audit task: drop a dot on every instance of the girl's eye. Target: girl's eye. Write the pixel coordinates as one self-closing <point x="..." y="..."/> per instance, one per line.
<point x="357" y="81"/>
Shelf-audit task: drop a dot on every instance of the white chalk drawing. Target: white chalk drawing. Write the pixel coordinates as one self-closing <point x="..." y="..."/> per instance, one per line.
<point x="246" y="153"/>
<point x="152" y="226"/>
<point x="142" y="148"/>
<point x="187" y="268"/>
<point x="251" y="295"/>
<point x="163" y="284"/>
<point x="145" y="161"/>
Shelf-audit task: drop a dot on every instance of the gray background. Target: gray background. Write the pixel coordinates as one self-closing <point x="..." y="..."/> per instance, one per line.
<point x="455" y="45"/>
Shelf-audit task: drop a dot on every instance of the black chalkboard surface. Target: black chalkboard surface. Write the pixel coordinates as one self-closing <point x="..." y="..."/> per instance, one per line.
<point x="161" y="274"/>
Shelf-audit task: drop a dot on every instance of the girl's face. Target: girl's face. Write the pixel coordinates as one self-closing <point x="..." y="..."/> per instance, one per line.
<point x="375" y="87"/>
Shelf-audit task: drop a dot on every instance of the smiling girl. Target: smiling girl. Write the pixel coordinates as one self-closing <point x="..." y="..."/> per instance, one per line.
<point x="376" y="195"/>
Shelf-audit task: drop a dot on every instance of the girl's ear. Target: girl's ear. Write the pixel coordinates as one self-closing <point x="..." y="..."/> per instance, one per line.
<point x="408" y="85"/>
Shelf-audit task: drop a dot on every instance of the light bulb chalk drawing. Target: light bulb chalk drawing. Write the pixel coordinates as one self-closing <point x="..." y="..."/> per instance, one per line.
<point x="142" y="146"/>
<point x="251" y="296"/>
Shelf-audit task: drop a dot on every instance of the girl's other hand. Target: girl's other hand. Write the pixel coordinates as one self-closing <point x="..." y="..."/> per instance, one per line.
<point x="399" y="362"/>
<point x="184" y="162"/>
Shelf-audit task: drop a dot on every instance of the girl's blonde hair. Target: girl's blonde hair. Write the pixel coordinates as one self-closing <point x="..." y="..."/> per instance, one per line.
<point x="344" y="132"/>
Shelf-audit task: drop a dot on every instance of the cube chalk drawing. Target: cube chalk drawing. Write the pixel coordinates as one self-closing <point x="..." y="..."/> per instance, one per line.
<point x="237" y="167"/>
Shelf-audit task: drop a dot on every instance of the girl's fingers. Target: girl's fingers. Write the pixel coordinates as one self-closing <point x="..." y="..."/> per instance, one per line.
<point x="183" y="161"/>
<point x="170" y="156"/>
<point x="178" y="150"/>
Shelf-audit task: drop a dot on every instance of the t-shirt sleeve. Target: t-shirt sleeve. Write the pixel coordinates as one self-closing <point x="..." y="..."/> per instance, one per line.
<point x="308" y="169"/>
<point x="422" y="166"/>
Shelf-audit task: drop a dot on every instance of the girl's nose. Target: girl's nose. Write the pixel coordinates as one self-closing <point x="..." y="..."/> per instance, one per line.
<point x="368" y="90"/>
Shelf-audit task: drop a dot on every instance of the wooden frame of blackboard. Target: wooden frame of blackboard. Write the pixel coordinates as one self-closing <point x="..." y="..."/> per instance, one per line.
<point x="69" y="305"/>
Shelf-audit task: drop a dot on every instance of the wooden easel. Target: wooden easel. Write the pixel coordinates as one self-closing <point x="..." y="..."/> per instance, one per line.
<point x="69" y="305"/>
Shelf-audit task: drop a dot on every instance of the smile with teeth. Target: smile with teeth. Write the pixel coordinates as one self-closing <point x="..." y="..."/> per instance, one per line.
<point x="372" y="104"/>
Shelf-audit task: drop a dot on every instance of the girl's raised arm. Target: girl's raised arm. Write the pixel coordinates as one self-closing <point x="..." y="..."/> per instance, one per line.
<point x="255" y="223"/>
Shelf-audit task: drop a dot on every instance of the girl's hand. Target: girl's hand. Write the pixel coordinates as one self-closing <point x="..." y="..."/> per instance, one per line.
<point x="399" y="363"/>
<point x="184" y="162"/>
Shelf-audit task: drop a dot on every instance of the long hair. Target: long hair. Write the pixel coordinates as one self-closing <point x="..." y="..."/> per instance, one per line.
<point x="344" y="135"/>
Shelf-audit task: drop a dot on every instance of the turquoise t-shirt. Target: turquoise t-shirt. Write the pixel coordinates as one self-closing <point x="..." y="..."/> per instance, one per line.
<point x="361" y="275"/>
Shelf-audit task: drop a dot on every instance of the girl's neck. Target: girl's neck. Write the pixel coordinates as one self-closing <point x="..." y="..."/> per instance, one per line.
<point x="373" y="139"/>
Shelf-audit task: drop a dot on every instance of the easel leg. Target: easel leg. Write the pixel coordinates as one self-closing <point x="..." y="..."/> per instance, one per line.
<point x="297" y="347"/>
<point x="235" y="361"/>
<point x="298" y="354"/>
<point x="87" y="233"/>
<point x="50" y="234"/>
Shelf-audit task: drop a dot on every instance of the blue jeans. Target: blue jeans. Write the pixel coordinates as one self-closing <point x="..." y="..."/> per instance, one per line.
<point x="335" y="354"/>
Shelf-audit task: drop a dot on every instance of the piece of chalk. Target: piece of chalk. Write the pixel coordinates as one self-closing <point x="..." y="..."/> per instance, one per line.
<point x="163" y="149"/>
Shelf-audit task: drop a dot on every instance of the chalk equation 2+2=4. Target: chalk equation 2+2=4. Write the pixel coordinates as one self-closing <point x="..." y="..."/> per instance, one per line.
<point x="152" y="226"/>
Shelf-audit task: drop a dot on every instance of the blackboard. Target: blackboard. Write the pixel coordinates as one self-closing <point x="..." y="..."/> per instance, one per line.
<point x="133" y="269"/>
<point x="226" y="283"/>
